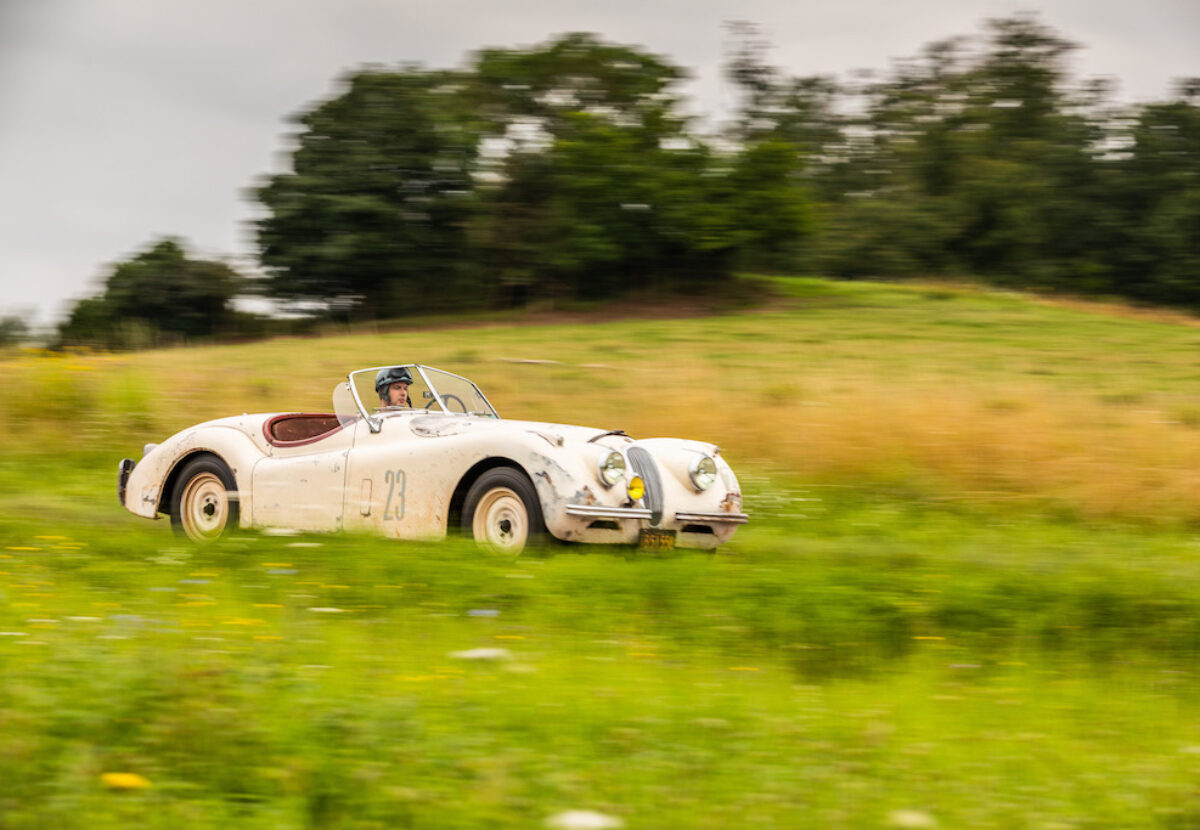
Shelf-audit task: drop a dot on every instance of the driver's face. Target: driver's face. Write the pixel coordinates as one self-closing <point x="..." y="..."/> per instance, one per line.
<point x="398" y="394"/>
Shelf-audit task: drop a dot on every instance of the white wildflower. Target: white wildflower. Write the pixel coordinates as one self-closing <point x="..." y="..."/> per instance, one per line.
<point x="583" y="820"/>
<point x="911" y="819"/>
<point x="482" y="654"/>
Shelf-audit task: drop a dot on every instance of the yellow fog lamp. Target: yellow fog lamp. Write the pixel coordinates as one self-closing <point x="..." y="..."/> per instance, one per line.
<point x="637" y="488"/>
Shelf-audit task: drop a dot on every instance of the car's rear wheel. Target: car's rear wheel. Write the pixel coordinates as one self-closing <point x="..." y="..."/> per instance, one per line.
<point x="204" y="502"/>
<point x="502" y="513"/>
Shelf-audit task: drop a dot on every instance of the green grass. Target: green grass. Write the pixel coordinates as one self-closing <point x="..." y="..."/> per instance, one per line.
<point x="890" y="643"/>
<point x="832" y="669"/>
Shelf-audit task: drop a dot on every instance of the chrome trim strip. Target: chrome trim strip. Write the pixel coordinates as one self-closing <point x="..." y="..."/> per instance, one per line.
<point x="599" y="511"/>
<point x="725" y="518"/>
<point x="644" y="466"/>
<point x="433" y="389"/>
<point x="620" y="432"/>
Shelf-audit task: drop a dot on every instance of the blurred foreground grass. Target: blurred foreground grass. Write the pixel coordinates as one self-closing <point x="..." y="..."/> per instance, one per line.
<point x="968" y="597"/>
<point x="871" y="664"/>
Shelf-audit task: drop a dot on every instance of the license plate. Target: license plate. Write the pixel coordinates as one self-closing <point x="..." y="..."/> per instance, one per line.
<point x="652" y="539"/>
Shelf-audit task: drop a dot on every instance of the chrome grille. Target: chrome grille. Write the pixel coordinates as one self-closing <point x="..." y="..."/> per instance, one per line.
<point x="644" y="466"/>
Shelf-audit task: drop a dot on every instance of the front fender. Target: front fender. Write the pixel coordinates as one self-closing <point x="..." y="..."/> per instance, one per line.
<point x="565" y="475"/>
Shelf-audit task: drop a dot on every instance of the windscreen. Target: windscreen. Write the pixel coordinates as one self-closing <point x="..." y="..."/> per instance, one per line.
<point x="458" y="395"/>
<point x="431" y="390"/>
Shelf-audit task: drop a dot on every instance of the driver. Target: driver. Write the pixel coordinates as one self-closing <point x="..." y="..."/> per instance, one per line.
<point x="392" y="386"/>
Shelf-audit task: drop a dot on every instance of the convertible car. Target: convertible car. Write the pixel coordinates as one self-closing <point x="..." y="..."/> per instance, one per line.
<point x="413" y="452"/>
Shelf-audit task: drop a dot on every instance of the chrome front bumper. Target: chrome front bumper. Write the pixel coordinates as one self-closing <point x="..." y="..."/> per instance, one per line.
<point x="724" y="518"/>
<point x="598" y="511"/>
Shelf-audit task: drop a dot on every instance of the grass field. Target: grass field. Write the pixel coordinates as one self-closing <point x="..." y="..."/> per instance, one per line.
<point x="968" y="596"/>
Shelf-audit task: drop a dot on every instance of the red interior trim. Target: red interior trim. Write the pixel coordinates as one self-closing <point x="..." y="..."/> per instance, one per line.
<point x="295" y="429"/>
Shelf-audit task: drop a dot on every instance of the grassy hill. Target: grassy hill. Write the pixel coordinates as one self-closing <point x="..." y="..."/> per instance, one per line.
<point x="937" y="392"/>
<point x="968" y="596"/>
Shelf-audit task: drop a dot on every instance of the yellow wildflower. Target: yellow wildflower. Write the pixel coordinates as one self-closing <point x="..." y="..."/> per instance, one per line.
<point x="124" y="781"/>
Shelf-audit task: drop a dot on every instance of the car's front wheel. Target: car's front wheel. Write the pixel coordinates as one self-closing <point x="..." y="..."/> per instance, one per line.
<point x="502" y="513"/>
<point x="204" y="502"/>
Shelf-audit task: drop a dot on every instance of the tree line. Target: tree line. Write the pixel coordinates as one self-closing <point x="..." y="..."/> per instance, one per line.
<point x="571" y="171"/>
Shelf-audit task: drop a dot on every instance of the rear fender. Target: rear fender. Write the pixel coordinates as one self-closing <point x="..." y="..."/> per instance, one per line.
<point x="148" y="491"/>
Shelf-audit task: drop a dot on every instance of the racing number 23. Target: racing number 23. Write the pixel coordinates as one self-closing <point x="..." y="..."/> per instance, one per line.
<point x="393" y="509"/>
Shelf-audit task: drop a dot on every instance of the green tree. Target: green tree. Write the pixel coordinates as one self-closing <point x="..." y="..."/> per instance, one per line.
<point x="570" y="170"/>
<point x="91" y="322"/>
<point x="587" y="194"/>
<point x="972" y="160"/>
<point x="801" y="111"/>
<point x="160" y="291"/>
<point x="602" y="187"/>
<point x="566" y="169"/>
<point x="13" y="330"/>
<point x="545" y="87"/>
<point x="375" y="207"/>
<point x="1156" y="183"/>
<point x="771" y="204"/>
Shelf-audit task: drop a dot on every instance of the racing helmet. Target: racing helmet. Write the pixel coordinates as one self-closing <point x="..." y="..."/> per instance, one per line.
<point x="386" y="377"/>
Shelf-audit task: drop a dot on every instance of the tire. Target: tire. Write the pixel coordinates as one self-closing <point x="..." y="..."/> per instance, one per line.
<point x="502" y="513"/>
<point x="204" y="503"/>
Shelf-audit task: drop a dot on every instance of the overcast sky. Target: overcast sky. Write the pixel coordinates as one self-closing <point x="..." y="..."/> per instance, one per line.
<point x="125" y="120"/>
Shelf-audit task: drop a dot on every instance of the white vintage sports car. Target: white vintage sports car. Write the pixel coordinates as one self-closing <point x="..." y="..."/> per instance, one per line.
<point x="413" y="452"/>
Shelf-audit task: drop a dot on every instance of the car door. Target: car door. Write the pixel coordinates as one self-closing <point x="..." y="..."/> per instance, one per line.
<point x="399" y="481"/>
<point x="302" y="487"/>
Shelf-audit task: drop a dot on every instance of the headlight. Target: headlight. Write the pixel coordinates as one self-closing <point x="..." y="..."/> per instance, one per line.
<point x="703" y="472"/>
<point x="637" y="488"/>
<point x="611" y="468"/>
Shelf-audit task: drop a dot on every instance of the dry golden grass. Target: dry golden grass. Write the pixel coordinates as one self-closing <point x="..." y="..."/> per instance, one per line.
<point x="949" y="394"/>
<point x="1064" y="451"/>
